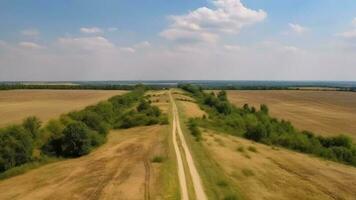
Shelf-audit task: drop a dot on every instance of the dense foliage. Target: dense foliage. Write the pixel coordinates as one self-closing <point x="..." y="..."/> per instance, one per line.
<point x="76" y="133"/>
<point x="259" y="126"/>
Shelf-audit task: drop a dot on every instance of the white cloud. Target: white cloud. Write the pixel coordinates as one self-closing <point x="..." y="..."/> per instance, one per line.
<point x="351" y="34"/>
<point x="205" y="24"/>
<point x="292" y="49"/>
<point x="297" y="28"/>
<point x="30" y="45"/>
<point x="232" y="47"/>
<point x="30" y="32"/>
<point x="348" y="34"/>
<point x="128" y="49"/>
<point x="90" y="30"/>
<point x="96" y="43"/>
<point x="142" y="45"/>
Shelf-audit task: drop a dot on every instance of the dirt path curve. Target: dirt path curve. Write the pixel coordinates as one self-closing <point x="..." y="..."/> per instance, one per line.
<point x="197" y="184"/>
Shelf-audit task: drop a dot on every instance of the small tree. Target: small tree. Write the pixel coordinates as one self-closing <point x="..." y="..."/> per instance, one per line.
<point x="76" y="140"/>
<point x="32" y="125"/>
<point x="264" y="109"/>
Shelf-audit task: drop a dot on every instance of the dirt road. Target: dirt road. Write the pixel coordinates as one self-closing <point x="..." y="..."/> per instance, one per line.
<point x="197" y="184"/>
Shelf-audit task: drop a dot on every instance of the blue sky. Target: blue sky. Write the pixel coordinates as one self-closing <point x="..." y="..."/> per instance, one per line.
<point x="200" y="39"/>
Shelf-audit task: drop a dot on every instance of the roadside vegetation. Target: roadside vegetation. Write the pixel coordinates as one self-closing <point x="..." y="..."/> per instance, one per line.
<point x="258" y="125"/>
<point x="73" y="134"/>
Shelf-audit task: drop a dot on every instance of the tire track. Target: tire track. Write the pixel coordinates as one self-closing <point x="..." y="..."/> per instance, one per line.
<point x="197" y="184"/>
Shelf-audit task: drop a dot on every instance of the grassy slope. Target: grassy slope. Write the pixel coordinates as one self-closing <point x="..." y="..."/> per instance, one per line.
<point x="323" y="112"/>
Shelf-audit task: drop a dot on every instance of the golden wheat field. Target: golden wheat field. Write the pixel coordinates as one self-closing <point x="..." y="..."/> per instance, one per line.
<point x="265" y="172"/>
<point x="323" y="112"/>
<point x="120" y="169"/>
<point x="15" y="105"/>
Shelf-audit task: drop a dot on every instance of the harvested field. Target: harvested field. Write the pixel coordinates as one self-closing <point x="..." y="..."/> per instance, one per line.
<point x="122" y="168"/>
<point x="323" y="112"/>
<point x="15" y="105"/>
<point x="265" y="172"/>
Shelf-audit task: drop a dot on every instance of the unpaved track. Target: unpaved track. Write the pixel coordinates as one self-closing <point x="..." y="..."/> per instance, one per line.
<point x="197" y="184"/>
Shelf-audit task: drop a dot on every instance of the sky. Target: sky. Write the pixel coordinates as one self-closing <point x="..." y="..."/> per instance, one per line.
<point x="67" y="40"/>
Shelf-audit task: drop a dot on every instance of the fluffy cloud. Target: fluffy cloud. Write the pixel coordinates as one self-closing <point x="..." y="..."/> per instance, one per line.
<point x="348" y="34"/>
<point x="30" y="32"/>
<point x="205" y="24"/>
<point x="297" y="28"/>
<point x="96" y="43"/>
<point x="351" y="34"/>
<point x="90" y="30"/>
<point x="30" y="45"/>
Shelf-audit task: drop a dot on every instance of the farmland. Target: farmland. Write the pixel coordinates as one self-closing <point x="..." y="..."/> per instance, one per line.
<point x="122" y="167"/>
<point x="328" y="113"/>
<point x="265" y="172"/>
<point x="15" y="105"/>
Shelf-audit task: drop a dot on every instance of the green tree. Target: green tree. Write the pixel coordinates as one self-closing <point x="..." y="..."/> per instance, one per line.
<point x="32" y="124"/>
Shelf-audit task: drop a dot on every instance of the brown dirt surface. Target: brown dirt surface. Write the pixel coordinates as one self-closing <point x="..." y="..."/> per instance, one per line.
<point x="265" y="172"/>
<point x="323" y="112"/>
<point x="120" y="169"/>
<point x="15" y="105"/>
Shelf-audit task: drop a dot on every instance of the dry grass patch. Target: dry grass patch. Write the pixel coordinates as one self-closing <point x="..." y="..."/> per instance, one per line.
<point x="160" y="98"/>
<point x="282" y="174"/>
<point x="15" y="105"/>
<point x="323" y="112"/>
<point x="120" y="168"/>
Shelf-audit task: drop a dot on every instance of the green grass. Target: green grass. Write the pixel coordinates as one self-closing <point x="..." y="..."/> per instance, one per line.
<point x="169" y="175"/>
<point x="216" y="183"/>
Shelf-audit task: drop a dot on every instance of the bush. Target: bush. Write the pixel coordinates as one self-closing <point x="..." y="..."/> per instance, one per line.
<point x="194" y="130"/>
<point x="32" y="125"/>
<point x="256" y="133"/>
<point x="157" y="159"/>
<point x="16" y="145"/>
<point x="76" y="140"/>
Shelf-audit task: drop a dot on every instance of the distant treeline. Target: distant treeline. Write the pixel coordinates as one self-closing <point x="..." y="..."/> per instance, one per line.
<point x="315" y="88"/>
<point x="76" y="133"/>
<point x="153" y="86"/>
<point x="259" y="126"/>
<point x="77" y="87"/>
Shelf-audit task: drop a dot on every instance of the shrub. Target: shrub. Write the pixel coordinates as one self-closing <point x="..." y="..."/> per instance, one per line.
<point x="32" y="125"/>
<point x="76" y="140"/>
<point x="194" y="130"/>
<point x="16" y="145"/>
<point x="157" y="159"/>
<point x="252" y="149"/>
